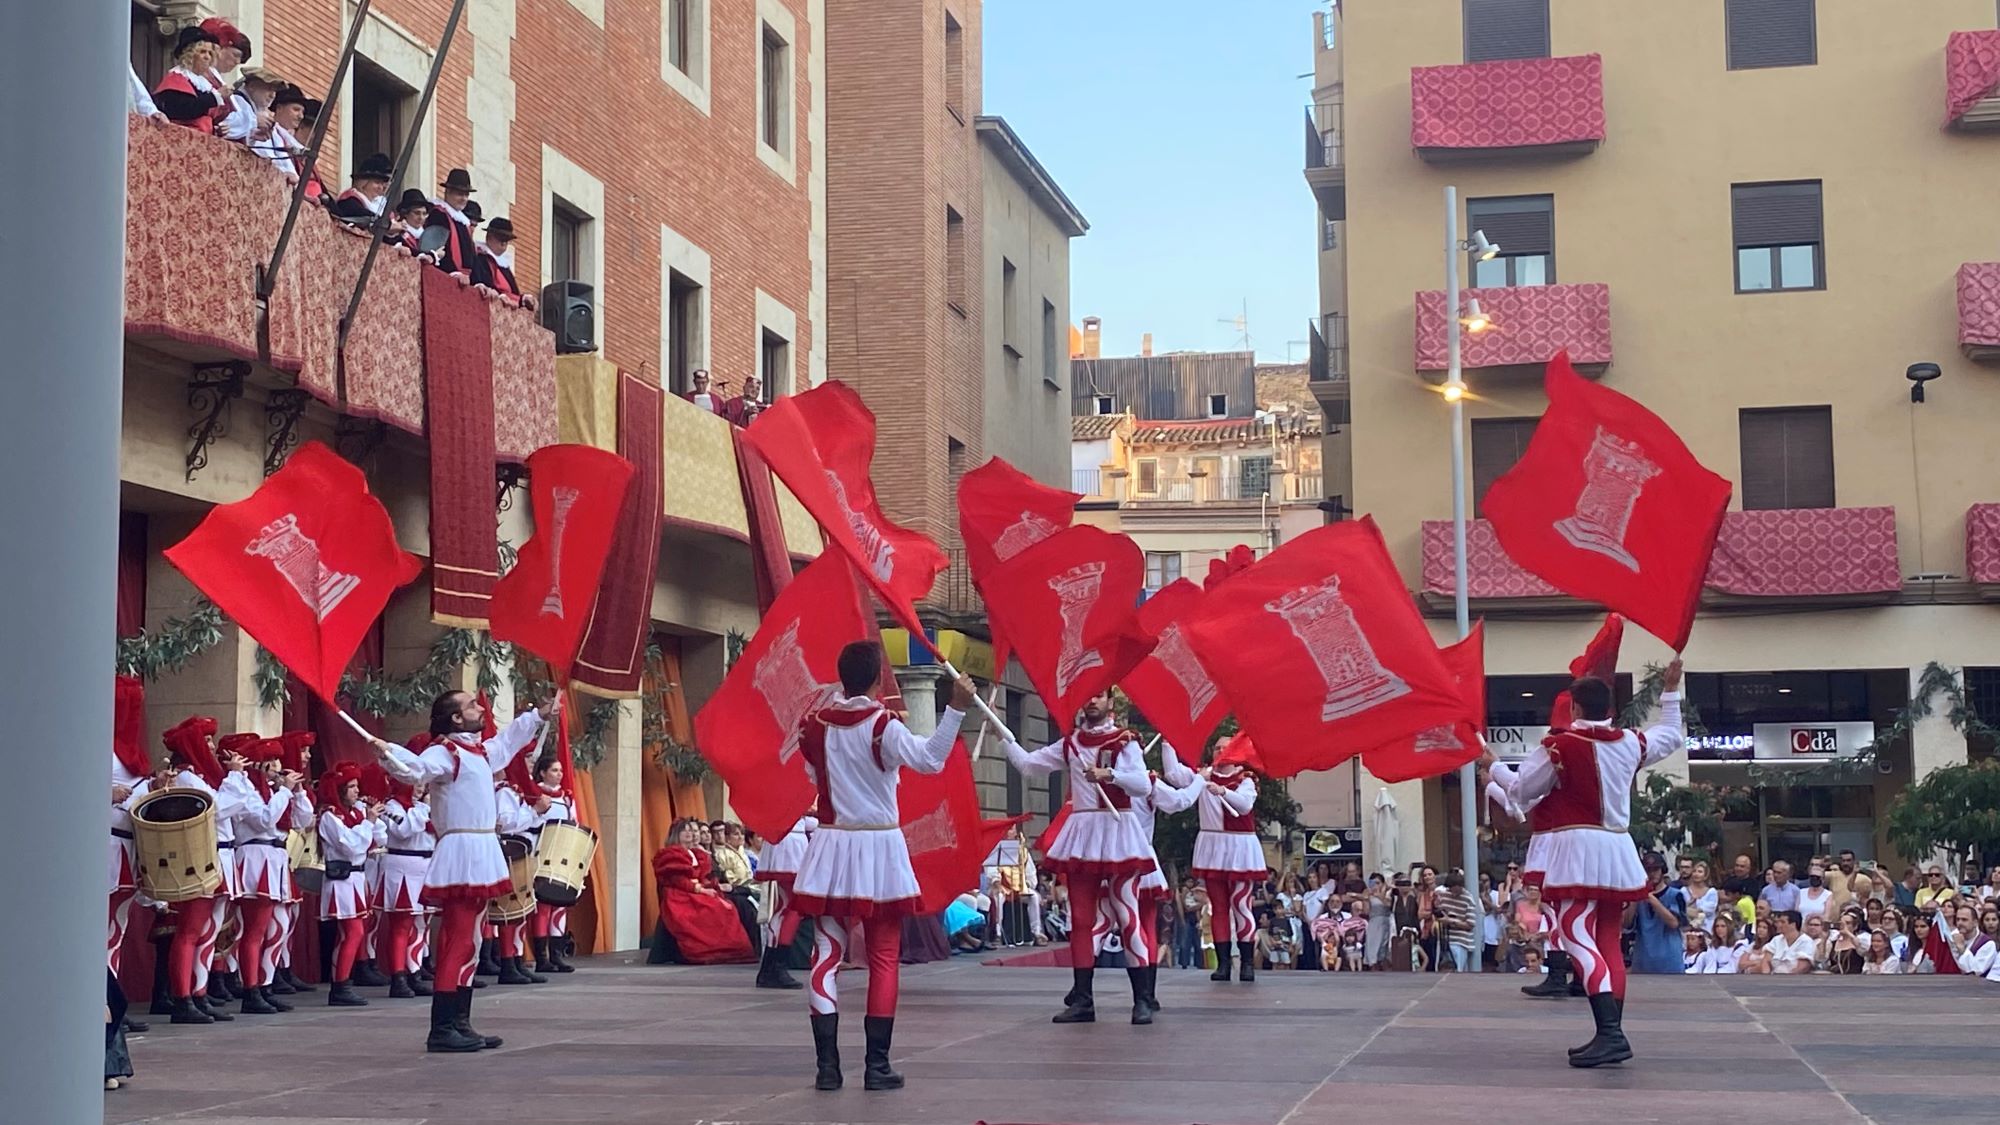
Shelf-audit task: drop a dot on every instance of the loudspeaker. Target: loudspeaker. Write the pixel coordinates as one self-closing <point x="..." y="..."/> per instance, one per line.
<point x="569" y="309"/>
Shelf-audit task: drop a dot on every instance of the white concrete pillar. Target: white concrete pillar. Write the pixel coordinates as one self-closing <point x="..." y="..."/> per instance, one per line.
<point x="919" y="686"/>
<point x="62" y="315"/>
<point x="616" y="782"/>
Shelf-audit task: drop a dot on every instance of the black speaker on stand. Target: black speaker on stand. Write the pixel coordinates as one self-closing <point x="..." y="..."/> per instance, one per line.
<point x="569" y="309"/>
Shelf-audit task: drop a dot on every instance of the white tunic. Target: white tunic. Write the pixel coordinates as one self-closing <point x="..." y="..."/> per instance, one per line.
<point x="1177" y="789"/>
<point x="340" y="841"/>
<point x="263" y="869"/>
<point x="778" y="862"/>
<point x="857" y="864"/>
<point x="124" y="872"/>
<point x="467" y="864"/>
<point x="407" y="834"/>
<point x="1098" y="838"/>
<point x="1219" y="850"/>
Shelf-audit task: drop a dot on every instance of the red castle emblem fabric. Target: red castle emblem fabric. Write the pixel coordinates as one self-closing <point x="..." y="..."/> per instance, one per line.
<point x="1608" y="505"/>
<point x="1599" y="662"/>
<point x="1321" y="652"/>
<point x="1069" y="605"/>
<point x="1170" y="687"/>
<point x="304" y="564"/>
<point x="1443" y="748"/>
<point x="821" y="444"/>
<point x="947" y="838"/>
<point x="544" y="604"/>
<point x="1002" y="511"/>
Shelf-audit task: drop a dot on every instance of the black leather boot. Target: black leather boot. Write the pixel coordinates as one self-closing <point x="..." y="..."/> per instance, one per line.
<point x="1152" y="987"/>
<point x="215" y="1012"/>
<point x="278" y="985"/>
<point x="218" y="988"/>
<point x="542" y="962"/>
<point x="1246" y="956"/>
<point x="445" y="1037"/>
<point x="826" y="1050"/>
<point x="463" y="1020"/>
<point x="418" y="984"/>
<point x="559" y="954"/>
<point x="534" y="977"/>
<point x="341" y="994"/>
<point x="510" y="972"/>
<point x="878" y="1076"/>
<point x="1610" y="1045"/>
<point x="163" y="997"/>
<point x="488" y="966"/>
<point x="254" y="1004"/>
<point x="399" y="987"/>
<point x="293" y="979"/>
<point x="367" y="975"/>
<point x="1555" y="985"/>
<point x="1082" y="1006"/>
<point x="771" y="971"/>
<point x="183" y="1010"/>
<point x="1142" y="1013"/>
<point x="272" y="1000"/>
<point x="1221" y="962"/>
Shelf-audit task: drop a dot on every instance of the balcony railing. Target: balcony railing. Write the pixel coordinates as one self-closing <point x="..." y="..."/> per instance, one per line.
<point x="1326" y="359"/>
<point x="954" y="594"/>
<point x="1972" y="80"/>
<point x="1979" y="311"/>
<point x="1508" y="107"/>
<point x="1325" y="171"/>
<point x="1216" y="488"/>
<point x="1531" y="323"/>
<point x="1086" y="482"/>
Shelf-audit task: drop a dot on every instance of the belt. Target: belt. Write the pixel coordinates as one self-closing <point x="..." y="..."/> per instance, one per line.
<point x="279" y="844"/>
<point x="411" y="853"/>
<point x="864" y="827"/>
<point x="121" y="833"/>
<point x="225" y="843"/>
<point x="486" y="831"/>
<point x="1579" y="828"/>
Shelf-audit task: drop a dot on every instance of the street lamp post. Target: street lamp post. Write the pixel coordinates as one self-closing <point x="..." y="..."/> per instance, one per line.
<point x="1454" y="396"/>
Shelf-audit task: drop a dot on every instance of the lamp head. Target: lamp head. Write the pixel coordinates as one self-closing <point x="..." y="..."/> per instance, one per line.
<point x="1453" y="392"/>
<point x="1482" y="249"/>
<point x="1918" y="374"/>
<point x="1475" y="319"/>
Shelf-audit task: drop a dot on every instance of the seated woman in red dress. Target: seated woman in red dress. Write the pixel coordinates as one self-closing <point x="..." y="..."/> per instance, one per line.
<point x="701" y="919"/>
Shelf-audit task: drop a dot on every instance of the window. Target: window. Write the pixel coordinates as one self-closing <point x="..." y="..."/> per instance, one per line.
<point x="1787" y="458"/>
<point x="954" y="67"/>
<point x="774" y="93"/>
<point x="954" y="261"/>
<point x="1009" y="321"/>
<point x="1218" y="406"/>
<point x="684" y="49"/>
<point x="1104" y="404"/>
<point x="1051" y="348"/>
<point x="1163" y="569"/>
<point x="1255" y="475"/>
<point x="1149" y="476"/>
<point x="680" y="35"/>
<point x="1524" y="228"/>
<point x="380" y="103"/>
<point x="684" y="330"/>
<point x="1329" y="233"/>
<point x="1506" y="29"/>
<point x="1779" y="237"/>
<point x="1764" y="33"/>
<point x="567" y="228"/>
<point x="774" y="364"/>
<point x="1497" y="443"/>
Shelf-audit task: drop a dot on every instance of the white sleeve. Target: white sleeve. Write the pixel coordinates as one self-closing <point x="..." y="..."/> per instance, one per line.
<point x="1241" y="797"/>
<point x="1036" y="763"/>
<point x="302" y="805"/>
<point x="924" y="755"/>
<point x="140" y="98"/>
<point x="1533" y="780"/>
<point x="232" y="795"/>
<point x="1974" y="963"/>
<point x="435" y="764"/>
<point x="513" y="738"/>
<point x="261" y="816"/>
<point x="1665" y="738"/>
<point x="1129" y="772"/>
<point x="353" y="839"/>
<point x="1168" y="798"/>
<point x="1176" y="772"/>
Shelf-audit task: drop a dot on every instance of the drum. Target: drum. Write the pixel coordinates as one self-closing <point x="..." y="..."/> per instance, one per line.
<point x="520" y="901"/>
<point x="173" y="832"/>
<point x="561" y="861"/>
<point x="308" y="869"/>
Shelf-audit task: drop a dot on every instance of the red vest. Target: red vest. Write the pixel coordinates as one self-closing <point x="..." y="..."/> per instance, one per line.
<point x="1578" y="798"/>
<point x="179" y="83"/>
<point x="1102" y="750"/>
<point x="812" y="745"/>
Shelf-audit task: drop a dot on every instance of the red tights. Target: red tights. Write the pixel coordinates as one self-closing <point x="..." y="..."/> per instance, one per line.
<point x="1590" y="932"/>
<point x="883" y="938"/>
<point x="256" y="919"/>
<point x="352" y="932"/>
<point x="393" y="944"/>
<point x="457" y="953"/>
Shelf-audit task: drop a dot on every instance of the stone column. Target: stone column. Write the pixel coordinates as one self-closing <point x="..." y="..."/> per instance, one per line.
<point x="919" y="685"/>
<point x="616" y="781"/>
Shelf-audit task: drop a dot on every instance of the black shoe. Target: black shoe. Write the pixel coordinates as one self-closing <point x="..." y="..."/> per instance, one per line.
<point x="1610" y="1045"/>
<point x="1246" y="958"/>
<point x="1575" y="1051"/>
<point x="1555" y="986"/>
<point x="826" y="1050"/>
<point x="533" y="976"/>
<point x="559" y="954"/>
<point x="1142" y="1013"/>
<point x="184" y="1010"/>
<point x="297" y="984"/>
<point x="878" y="1076"/>
<point x="137" y="1027"/>
<point x="488" y="965"/>
<point x="1081" y="1005"/>
<point x="464" y="1021"/>
<point x="254" y="1004"/>
<point x="1576" y="986"/>
<point x="477" y="983"/>
<point x="426" y="974"/>
<point x="418" y="985"/>
<point x="771" y="971"/>
<point x="215" y="1013"/>
<point x="445" y="1037"/>
<point x="510" y="972"/>
<point x="342" y="995"/>
<point x="1152" y="986"/>
<point x="1221" y="962"/>
<point x="163" y="997"/>
<point x="278" y="986"/>
<point x="399" y="987"/>
<point x="542" y="962"/>
<point x="366" y="975"/>
<point x="218" y="988"/>
<point x="273" y="1000"/>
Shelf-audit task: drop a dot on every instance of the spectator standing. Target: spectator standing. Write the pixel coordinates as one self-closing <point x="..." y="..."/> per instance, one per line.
<point x="744" y="408"/>
<point x="1429" y="939"/>
<point x="1702" y="900"/>
<point x="1456" y="912"/>
<point x="1791" y="951"/>
<point x="138" y="99"/>
<point x="1659" y="920"/>
<point x="1187" y="938"/>
<point x="1494" y="910"/>
<point x="1780" y="893"/>
<point x="451" y="211"/>
<point x="495" y="267"/>
<point x="367" y="193"/>
<point x="1905" y="892"/>
<point x="185" y="93"/>
<point x="1815" y="900"/>
<point x="1381" y="923"/>
<point x="1936" y="892"/>
<point x="701" y="394"/>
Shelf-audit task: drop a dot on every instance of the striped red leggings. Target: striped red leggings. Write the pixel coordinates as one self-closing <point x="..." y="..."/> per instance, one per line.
<point x="1588" y="931"/>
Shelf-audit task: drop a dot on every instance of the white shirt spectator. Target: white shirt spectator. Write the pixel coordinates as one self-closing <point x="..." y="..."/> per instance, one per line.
<point x="1814" y="902"/>
<point x="1786" y="956"/>
<point x="1720" y="960"/>
<point x="1979" y="959"/>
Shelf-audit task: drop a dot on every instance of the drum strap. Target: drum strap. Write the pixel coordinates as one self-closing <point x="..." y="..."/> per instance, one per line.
<point x="411" y="853"/>
<point x="121" y="834"/>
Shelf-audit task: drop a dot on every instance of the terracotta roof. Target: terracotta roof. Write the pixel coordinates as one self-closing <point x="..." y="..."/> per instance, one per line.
<point x="1094" y="427"/>
<point x="1224" y="431"/>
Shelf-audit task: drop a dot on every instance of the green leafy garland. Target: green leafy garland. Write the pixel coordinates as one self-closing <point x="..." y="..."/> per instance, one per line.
<point x="178" y="641"/>
<point x="378" y="693"/>
<point x="685" y="762"/>
<point x="1934" y="680"/>
<point x="1646" y="696"/>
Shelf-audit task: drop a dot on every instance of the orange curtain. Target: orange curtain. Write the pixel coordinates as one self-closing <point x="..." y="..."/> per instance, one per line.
<point x="590" y="936"/>
<point x="663" y="797"/>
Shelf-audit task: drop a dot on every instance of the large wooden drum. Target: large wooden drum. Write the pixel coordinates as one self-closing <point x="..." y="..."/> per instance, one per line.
<point x="561" y="862"/>
<point x="308" y="868"/>
<point x="173" y="833"/>
<point x="518" y="902"/>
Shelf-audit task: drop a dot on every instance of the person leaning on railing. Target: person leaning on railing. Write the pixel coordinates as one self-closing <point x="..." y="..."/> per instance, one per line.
<point x="186" y="95"/>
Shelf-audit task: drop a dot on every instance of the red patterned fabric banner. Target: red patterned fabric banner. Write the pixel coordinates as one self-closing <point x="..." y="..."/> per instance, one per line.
<point x="612" y="662"/>
<point x="465" y="529"/>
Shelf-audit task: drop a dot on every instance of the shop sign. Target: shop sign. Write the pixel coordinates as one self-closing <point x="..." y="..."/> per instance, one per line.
<point x="1805" y="741"/>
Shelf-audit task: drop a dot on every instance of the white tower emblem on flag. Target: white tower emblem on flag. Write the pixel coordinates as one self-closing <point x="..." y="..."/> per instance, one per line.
<point x="1022" y="534"/>
<point x="1438" y="740"/>
<point x="1615" y="473"/>
<point x="880" y="554"/>
<point x="1354" y="677"/>
<point x="1175" y="655"/>
<point x="565" y="498"/>
<point x="1077" y="587"/>
<point x="297" y="558"/>
<point x="788" y="687"/>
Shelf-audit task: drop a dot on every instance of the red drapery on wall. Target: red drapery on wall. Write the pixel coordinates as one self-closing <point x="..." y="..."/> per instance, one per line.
<point x="131" y="573"/>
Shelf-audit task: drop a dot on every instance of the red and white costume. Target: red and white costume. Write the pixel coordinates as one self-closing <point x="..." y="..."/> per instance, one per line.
<point x="297" y="817"/>
<point x="1228" y="853"/>
<point x="130" y="767"/>
<point x="346" y="836"/>
<point x="778" y="864"/>
<point x="550" y="922"/>
<point x="197" y="921"/>
<point x="857" y="862"/>
<point x="263" y="868"/>
<point x="1176" y="789"/>
<point x="1576" y="789"/>
<point x="514" y="816"/>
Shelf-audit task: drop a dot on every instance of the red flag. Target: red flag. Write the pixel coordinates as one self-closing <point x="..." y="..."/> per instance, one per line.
<point x="1002" y="511"/>
<point x="304" y="564"/>
<point x="820" y="444"/>
<point x="1321" y="652"/>
<point x="1170" y="686"/>
<point x="1443" y="748"/>
<point x="749" y="729"/>
<point x="1608" y="505"/>
<point x="948" y="841"/>
<point x="1599" y="661"/>
<point x="544" y="603"/>
<point x="1222" y="569"/>
<point x="1069" y="606"/>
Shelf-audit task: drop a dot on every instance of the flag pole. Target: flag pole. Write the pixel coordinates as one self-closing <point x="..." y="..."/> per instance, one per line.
<point x="979" y="743"/>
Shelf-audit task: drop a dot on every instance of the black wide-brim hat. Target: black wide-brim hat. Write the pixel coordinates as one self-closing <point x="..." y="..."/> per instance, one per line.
<point x="289" y="94"/>
<point x="472" y="213"/>
<point x="376" y="167"/>
<point x="500" y="228"/>
<point x="458" y="179"/>
<point x="412" y="197"/>
<point x="191" y="35"/>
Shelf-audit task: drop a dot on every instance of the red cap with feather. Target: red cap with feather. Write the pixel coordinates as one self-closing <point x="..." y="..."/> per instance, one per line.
<point x="128" y="726"/>
<point x="334" y="780"/>
<point x="191" y="743"/>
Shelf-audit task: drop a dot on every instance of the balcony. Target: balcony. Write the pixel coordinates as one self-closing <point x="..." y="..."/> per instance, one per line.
<point x="1531" y="323"/>
<point x="1982" y="547"/>
<point x="1972" y="81"/>
<point x="1979" y="311"/>
<point x="1326" y="355"/>
<point x="1507" y="109"/>
<point x="1086" y="482"/>
<point x="1325" y="171"/>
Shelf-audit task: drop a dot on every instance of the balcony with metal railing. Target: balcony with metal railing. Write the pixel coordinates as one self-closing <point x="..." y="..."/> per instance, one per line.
<point x="1326" y="172"/>
<point x="1086" y="482"/>
<point x="1326" y="358"/>
<point x="1972" y="80"/>
<point x="1282" y="485"/>
<point x="1536" y="107"/>
<point x="1979" y="311"/>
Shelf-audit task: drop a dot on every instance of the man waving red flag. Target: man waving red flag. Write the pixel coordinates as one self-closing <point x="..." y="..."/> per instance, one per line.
<point x="1170" y="687"/>
<point x="1003" y="511"/>
<point x="304" y="564"/>
<point x="545" y="602"/>
<point x="821" y="444"/>
<point x="1321" y="651"/>
<point x="1069" y="604"/>
<point x="1608" y="505"/>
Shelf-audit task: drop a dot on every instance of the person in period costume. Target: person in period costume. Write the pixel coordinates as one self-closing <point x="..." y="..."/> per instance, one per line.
<point x="857" y="863"/>
<point x="1576" y="788"/>
<point x="186" y="94"/>
<point x="365" y="197"/>
<point x="281" y="146"/>
<point x="1229" y="857"/>
<point x="294" y="749"/>
<point x="699" y="917"/>
<point x="236" y="790"/>
<point x="468" y="868"/>
<point x="744" y="408"/>
<point x="778" y="864"/>
<point x="702" y="394"/>
<point x="1173" y="790"/>
<point x="413" y="210"/>
<point x="405" y="859"/>
<point x="139" y="100"/>
<point x="519" y="817"/>
<point x="1556" y="979"/>
<point x="548" y="927"/>
<point x="448" y="210"/>
<point x="250" y="114"/>
<point x="1010" y="878"/>
<point x="263" y="870"/>
<point x="130" y="767"/>
<point x="240" y="116"/>
<point x="495" y="265"/>
<point x="348" y="830"/>
<point x="1101" y="850"/>
<point x="374" y="794"/>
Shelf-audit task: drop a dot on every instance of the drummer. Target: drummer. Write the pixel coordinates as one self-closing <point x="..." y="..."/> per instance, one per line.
<point x="406" y="821"/>
<point x="298" y="818"/>
<point x="348" y="829"/>
<point x="263" y="871"/>
<point x="550" y="924"/>
<point x="192" y="764"/>
<point x="521" y="805"/>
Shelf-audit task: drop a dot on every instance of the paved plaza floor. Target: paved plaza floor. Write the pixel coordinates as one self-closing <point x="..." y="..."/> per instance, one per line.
<point x="620" y="1042"/>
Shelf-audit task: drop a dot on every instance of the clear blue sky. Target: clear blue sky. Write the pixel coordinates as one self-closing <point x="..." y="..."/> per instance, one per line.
<point x="1178" y="130"/>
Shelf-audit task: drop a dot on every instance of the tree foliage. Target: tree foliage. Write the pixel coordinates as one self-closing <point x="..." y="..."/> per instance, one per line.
<point x="1956" y="808"/>
<point x="1684" y="819"/>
